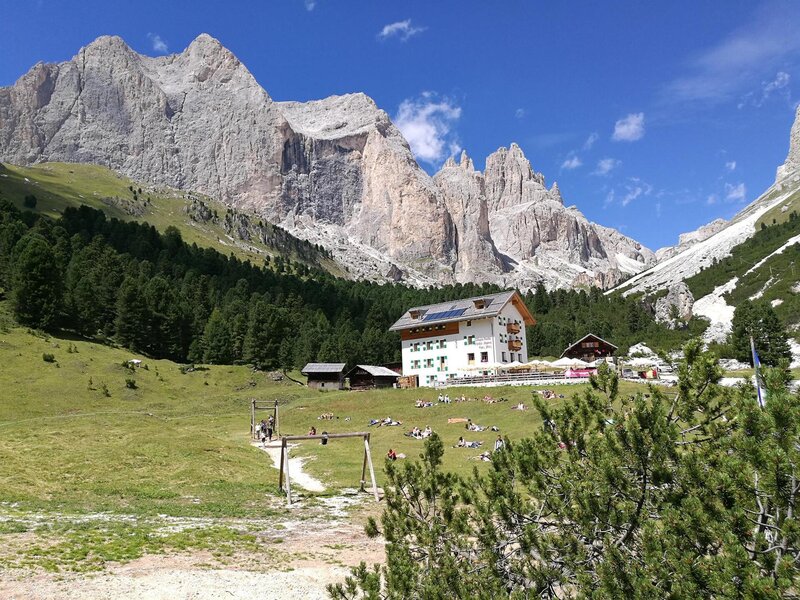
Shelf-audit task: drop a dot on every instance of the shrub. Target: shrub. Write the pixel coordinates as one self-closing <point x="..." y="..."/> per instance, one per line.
<point x="48" y="358"/>
<point x="29" y="201"/>
<point x="130" y="384"/>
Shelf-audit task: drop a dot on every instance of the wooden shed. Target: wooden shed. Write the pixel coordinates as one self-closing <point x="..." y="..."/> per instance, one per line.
<point x="367" y="377"/>
<point x="589" y="348"/>
<point x="325" y="376"/>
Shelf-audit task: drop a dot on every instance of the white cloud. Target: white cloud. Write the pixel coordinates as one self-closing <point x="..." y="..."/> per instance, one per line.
<point x="519" y="113"/>
<point x="712" y="199"/>
<point x="782" y="79"/>
<point x="427" y="124"/>
<point x="400" y="29"/>
<point x="159" y="45"/>
<point x="735" y="193"/>
<point x="587" y="145"/>
<point x="737" y="62"/>
<point x="310" y="4"/>
<point x="629" y="129"/>
<point x="730" y="165"/>
<point x="573" y="162"/>
<point x="605" y="166"/>
<point x="633" y="188"/>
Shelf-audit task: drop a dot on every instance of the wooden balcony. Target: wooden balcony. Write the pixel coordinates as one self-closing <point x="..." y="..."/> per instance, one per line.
<point x="513" y="328"/>
<point x="515" y="345"/>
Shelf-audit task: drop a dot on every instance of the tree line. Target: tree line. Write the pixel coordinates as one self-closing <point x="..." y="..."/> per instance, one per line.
<point x="124" y="282"/>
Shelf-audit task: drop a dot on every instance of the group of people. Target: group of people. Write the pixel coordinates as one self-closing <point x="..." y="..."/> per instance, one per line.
<point x="420" y="434"/>
<point x="265" y="429"/>
<point x="462" y="443"/>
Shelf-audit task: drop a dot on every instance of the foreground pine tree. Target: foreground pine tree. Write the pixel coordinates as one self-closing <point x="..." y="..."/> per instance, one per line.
<point x="680" y="493"/>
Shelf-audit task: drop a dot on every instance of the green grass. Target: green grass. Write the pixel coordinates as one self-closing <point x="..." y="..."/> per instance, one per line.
<point x="179" y="443"/>
<point x="777" y="214"/>
<point x="339" y="462"/>
<point x="60" y="185"/>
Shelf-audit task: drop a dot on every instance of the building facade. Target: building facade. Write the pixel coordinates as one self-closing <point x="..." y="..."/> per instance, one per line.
<point x="324" y="376"/>
<point x="589" y="348"/>
<point x="463" y="338"/>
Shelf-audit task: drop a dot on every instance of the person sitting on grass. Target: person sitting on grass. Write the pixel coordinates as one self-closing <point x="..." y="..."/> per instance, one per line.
<point x="446" y="399"/>
<point x="391" y="455"/>
<point x="440" y="398"/>
<point x="312" y="431"/>
<point x="520" y="406"/>
<point x="498" y="443"/>
<point x="428" y="431"/>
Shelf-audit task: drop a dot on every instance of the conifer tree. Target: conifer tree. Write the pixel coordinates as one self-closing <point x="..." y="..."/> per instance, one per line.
<point x="690" y="494"/>
<point x="35" y="281"/>
<point x="217" y="339"/>
<point x="759" y="321"/>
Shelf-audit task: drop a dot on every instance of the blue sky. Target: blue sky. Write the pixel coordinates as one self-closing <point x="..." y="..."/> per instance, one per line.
<point x="654" y="118"/>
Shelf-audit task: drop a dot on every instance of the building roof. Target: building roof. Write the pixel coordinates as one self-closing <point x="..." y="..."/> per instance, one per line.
<point x="323" y="368"/>
<point x="376" y="371"/>
<point x="462" y="310"/>
<point x="588" y="335"/>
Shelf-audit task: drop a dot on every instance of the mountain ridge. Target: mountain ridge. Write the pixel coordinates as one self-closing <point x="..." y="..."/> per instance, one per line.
<point x="334" y="171"/>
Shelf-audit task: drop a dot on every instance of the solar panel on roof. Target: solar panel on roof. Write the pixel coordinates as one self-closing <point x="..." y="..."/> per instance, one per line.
<point x="447" y="314"/>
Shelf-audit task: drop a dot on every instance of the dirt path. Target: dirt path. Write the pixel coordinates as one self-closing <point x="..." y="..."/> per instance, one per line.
<point x="296" y="472"/>
<point x="173" y="578"/>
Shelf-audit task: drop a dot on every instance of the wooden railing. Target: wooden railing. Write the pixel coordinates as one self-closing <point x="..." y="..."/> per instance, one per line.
<point x="513" y="328"/>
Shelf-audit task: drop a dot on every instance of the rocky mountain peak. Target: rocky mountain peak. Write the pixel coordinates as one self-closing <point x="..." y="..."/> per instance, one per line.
<point x="466" y="162"/>
<point x="555" y="193"/>
<point x="792" y="163"/>
<point x="510" y="179"/>
<point x="108" y="43"/>
<point x="334" y="171"/>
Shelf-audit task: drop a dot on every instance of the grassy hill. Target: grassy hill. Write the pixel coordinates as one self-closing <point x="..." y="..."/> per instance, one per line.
<point x="201" y="220"/>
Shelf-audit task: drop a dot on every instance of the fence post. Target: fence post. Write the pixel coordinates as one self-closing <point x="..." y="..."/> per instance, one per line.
<point x="371" y="469"/>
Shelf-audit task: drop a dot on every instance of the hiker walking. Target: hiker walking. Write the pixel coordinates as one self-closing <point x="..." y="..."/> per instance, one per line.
<point x="270" y="427"/>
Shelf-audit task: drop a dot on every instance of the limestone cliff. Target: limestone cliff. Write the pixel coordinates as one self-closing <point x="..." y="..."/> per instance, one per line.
<point x="334" y="171"/>
<point x="792" y="164"/>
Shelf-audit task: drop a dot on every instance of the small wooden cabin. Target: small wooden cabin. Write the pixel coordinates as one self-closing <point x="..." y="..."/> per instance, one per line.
<point x="325" y="376"/>
<point x="367" y="377"/>
<point x="589" y="348"/>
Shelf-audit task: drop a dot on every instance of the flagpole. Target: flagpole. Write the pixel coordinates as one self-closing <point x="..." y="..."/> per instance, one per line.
<point x="755" y="366"/>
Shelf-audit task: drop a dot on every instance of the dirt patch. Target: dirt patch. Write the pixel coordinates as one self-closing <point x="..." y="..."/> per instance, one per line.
<point x="296" y="559"/>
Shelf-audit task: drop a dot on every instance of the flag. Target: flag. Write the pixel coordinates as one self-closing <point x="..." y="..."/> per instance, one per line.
<point x="756" y="365"/>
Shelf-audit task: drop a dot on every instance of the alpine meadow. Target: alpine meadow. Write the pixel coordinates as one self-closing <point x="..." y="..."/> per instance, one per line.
<point x="292" y="305"/>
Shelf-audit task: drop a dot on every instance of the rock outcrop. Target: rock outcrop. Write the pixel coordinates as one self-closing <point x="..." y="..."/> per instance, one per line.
<point x="675" y="309"/>
<point x="686" y="240"/>
<point x="336" y="171"/>
<point x="792" y="164"/>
